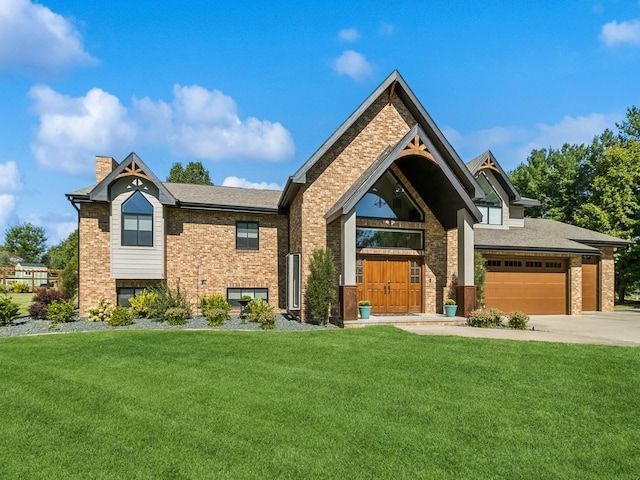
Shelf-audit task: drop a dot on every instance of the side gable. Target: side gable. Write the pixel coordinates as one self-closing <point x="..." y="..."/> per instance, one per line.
<point x="394" y="84"/>
<point x="135" y="167"/>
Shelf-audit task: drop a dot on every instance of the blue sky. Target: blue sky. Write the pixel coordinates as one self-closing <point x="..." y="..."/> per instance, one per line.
<point x="253" y="88"/>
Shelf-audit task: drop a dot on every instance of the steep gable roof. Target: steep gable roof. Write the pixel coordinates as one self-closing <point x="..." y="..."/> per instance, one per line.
<point x="135" y="167"/>
<point x="409" y="144"/>
<point x="394" y="84"/>
<point x="486" y="161"/>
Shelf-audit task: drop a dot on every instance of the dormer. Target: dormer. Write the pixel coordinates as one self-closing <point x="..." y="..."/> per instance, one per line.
<point x="502" y="206"/>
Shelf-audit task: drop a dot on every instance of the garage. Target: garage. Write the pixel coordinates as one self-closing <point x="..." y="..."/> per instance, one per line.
<point x="535" y="286"/>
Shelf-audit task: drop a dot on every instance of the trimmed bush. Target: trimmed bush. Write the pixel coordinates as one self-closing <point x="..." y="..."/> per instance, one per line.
<point x="20" y="287"/>
<point x="262" y="313"/>
<point x="485" y="318"/>
<point x="61" y="311"/>
<point x="8" y="310"/>
<point x="142" y="303"/>
<point x="518" y="320"/>
<point x="3" y="288"/>
<point x="120" y="317"/>
<point x="168" y="298"/>
<point x="176" y="316"/>
<point x="41" y="301"/>
<point x="102" y="312"/>
<point x="321" y="284"/>
<point x="215" y="308"/>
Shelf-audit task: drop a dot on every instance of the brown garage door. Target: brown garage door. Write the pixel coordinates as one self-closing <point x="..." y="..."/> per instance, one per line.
<point x="589" y="287"/>
<point x="535" y="287"/>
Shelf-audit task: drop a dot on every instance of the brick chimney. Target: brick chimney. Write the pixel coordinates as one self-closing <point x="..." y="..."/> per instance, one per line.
<point x="104" y="166"/>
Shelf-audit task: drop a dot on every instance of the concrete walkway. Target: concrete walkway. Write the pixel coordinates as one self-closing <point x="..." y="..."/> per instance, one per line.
<point x="621" y="327"/>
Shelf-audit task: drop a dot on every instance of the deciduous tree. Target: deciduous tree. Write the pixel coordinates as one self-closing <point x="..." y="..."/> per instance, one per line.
<point x="194" y="173"/>
<point x="27" y="241"/>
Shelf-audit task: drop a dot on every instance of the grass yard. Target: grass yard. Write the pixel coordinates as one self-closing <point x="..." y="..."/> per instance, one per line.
<point x="24" y="300"/>
<point x="366" y="403"/>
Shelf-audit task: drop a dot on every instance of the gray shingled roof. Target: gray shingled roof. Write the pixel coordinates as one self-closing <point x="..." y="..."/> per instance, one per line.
<point x="540" y="234"/>
<point x="211" y="197"/>
<point x="216" y="196"/>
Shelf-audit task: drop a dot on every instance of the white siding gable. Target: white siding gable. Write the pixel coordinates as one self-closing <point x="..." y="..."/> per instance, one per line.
<point x="133" y="262"/>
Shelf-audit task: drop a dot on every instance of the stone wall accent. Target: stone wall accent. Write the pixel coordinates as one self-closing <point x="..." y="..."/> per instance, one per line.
<point x="575" y="285"/>
<point x="104" y="166"/>
<point x="201" y="245"/>
<point x="94" y="261"/>
<point x="607" y="279"/>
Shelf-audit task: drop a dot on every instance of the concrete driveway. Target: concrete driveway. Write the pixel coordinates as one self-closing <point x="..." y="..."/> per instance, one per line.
<point x="621" y="327"/>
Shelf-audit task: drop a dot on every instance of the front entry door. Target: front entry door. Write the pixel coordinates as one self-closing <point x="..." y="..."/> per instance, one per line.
<point x="391" y="285"/>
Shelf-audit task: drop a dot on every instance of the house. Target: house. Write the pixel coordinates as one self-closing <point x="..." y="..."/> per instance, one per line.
<point x="386" y="192"/>
<point x="33" y="274"/>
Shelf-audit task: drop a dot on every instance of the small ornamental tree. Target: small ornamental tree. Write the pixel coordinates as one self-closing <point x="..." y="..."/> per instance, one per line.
<point x="321" y="284"/>
<point x="479" y="275"/>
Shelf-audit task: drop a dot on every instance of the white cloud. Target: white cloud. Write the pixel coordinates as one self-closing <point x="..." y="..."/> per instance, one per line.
<point x="512" y="145"/>
<point x="57" y="226"/>
<point x="198" y="123"/>
<point x="352" y="64"/>
<point x="9" y="177"/>
<point x="614" y="33"/>
<point x="7" y="205"/>
<point x="349" y="34"/>
<point x="571" y="130"/>
<point x="73" y="130"/>
<point x="10" y="183"/>
<point x="35" y="39"/>
<point x="244" y="183"/>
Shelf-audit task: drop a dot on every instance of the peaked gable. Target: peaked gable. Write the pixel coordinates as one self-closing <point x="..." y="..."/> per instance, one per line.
<point x="132" y="166"/>
<point x="412" y="144"/>
<point x="393" y="85"/>
<point x="486" y="161"/>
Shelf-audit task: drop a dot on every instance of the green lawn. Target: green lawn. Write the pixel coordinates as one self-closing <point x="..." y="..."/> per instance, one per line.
<point x="24" y="300"/>
<point x="367" y="403"/>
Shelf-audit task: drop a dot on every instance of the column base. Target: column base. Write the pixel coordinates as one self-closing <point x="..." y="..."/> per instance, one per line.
<point x="466" y="298"/>
<point x="349" y="302"/>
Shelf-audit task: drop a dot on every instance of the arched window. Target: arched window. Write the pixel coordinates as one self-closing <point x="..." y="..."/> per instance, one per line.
<point x="137" y="221"/>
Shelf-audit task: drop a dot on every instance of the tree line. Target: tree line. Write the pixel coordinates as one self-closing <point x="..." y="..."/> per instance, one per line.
<point x="595" y="186"/>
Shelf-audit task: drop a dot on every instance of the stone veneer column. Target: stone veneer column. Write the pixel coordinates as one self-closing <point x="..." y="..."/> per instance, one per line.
<point x="466" y="290"/>
<point x="575" y="285"/>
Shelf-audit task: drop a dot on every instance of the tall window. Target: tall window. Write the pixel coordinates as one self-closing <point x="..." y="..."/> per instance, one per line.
<point x="491" y="205"/>
<point x="137" y="221"/>
<point x="247" y="236"/>
<point x="293" y="278"/>
<point x="388" y="199"/>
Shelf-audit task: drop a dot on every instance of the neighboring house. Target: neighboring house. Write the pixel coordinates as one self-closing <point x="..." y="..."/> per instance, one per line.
<point x="386" y="192"/>
<point x="33" y="274"/>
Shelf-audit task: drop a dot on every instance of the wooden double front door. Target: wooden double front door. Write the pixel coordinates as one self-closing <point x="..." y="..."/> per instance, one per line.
<point x="391" y="285"/>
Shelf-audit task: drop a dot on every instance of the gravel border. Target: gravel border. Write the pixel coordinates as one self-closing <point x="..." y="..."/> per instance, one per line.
<point x="28" y="326"/>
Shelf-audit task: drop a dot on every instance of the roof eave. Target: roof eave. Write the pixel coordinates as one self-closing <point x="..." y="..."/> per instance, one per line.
<point x="514" y="248"/>
<point x="227" y="208"/>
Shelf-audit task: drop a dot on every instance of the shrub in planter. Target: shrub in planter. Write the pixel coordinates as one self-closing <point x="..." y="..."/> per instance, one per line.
<point x="176" y="316"/>
<point x="450" y="301"/>
<point x="120" y="317"/>
<point x="41" y="301"/>
<point x="61" y="311"/>
<point x="20" y="287"/>
<point x="485" y="318"/>
<point x="142" y="303"/>
<point x="8" y="310"/>
<point x="102" y="312"/>
<point x="215" y="308"/>
<point x="518" y="320"/>
<point x="262" y="313"/>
